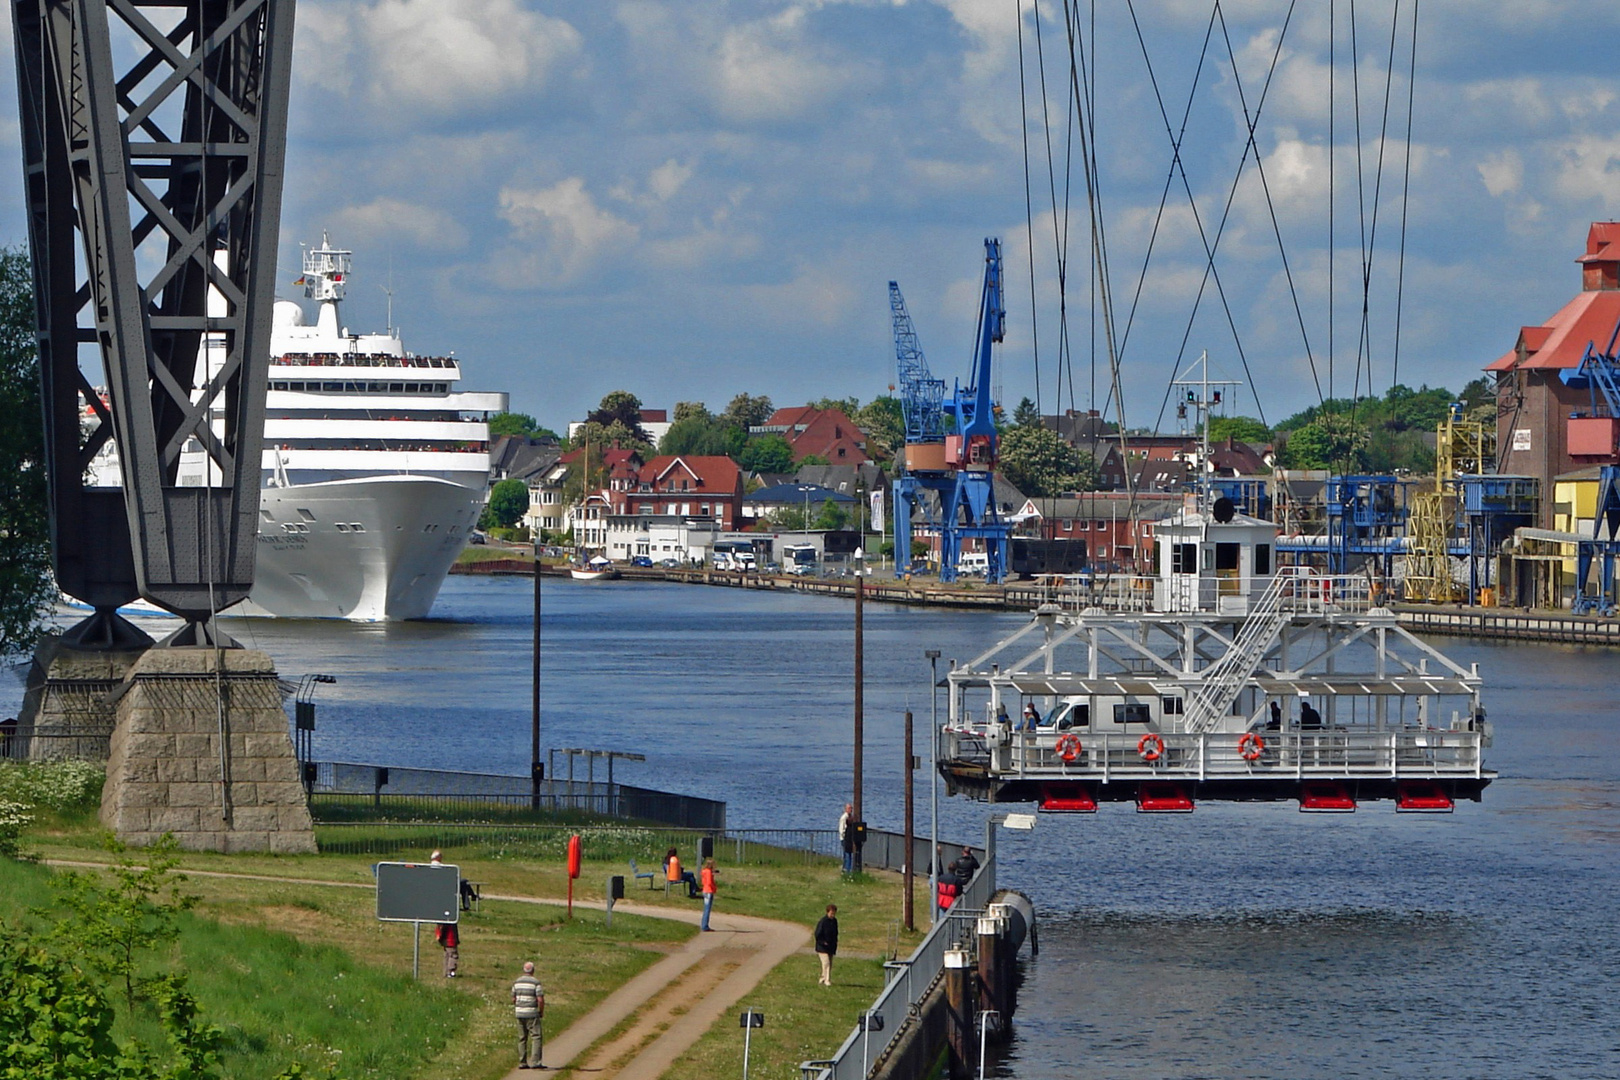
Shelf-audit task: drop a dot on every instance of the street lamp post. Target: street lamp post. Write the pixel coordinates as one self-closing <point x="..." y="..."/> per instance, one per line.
<point x="933" y="786"/>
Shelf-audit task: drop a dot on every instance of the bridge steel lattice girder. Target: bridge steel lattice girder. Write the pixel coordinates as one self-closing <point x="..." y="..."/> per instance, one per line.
<point x="158" y="122"/>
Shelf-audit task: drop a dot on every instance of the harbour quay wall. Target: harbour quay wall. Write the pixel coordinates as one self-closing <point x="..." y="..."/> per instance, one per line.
<point x="1504" y="624"/>
<point x="1507" y="624"/>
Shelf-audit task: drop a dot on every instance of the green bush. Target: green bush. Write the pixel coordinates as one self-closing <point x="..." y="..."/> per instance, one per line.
<point x="52" y="785"/>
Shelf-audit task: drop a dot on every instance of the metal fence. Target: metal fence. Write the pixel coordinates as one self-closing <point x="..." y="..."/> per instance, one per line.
<point x="438" y="791"/>
<point x="910" y="982"/>
<point x="29" y="744"/>
<point x="601" y="842"/>
<point x="887" y="851"/>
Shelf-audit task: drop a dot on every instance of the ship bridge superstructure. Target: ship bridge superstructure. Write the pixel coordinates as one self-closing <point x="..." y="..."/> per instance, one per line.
<point x="1221" y="677"/>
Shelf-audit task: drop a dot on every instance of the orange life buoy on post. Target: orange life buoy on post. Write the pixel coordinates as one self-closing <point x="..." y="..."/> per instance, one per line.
<point x="1251" y="746"/>
<point x="1151" y="747"/>
<point x="1068" y="747"/>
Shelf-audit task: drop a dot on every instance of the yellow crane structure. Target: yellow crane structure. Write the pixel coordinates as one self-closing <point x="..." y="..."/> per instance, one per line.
<point x="1462" y="447"/>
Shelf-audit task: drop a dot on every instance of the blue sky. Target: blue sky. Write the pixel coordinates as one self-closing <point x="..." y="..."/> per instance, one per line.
<point x="695" y="199"/>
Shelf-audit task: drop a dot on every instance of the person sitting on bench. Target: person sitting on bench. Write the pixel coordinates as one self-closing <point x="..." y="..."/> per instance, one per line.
<point x="674" y="875"/>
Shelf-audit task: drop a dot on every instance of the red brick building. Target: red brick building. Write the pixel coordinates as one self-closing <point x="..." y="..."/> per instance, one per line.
<point x="827" y="433"/>
<point x="688" y="486"/>
<point x="1118" y="535"/>
<point x="1536" y="432"/>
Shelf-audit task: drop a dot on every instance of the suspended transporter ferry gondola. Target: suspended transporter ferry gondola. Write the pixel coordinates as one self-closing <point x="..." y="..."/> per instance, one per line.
<point x="1222" y="676"/>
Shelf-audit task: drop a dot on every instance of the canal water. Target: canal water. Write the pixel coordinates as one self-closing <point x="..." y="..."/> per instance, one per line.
<point x="1239" y="941"/>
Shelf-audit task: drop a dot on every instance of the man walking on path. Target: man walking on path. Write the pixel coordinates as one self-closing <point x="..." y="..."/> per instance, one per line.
<point x="529" y="1005"/>
<point x="708" y="890"/>
<point x="447" y="936"/>
<point x="827" y="942"/>
<point x="846" y="837"/>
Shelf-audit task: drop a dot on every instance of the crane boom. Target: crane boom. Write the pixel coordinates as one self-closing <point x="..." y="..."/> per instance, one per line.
<point x="922" y="397"/>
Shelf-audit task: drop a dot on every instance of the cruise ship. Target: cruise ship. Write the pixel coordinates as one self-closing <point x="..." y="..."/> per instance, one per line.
<point x="375" y="462"/>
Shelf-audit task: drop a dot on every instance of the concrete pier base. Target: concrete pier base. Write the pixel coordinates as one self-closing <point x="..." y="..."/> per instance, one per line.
<point x="200" y="749"/>
<point x="67" y="710"/>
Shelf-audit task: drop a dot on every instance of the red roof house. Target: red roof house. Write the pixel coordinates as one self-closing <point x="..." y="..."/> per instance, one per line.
<point x="687" y="485"/>
<point x="827" y="433"/>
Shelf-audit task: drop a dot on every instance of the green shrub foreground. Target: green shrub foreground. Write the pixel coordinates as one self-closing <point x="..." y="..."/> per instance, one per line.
<point x="229" y="1001"/>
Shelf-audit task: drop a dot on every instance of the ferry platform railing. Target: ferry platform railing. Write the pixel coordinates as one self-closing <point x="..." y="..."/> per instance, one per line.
<point x="1303" y="592"/>
<point x="910" y="981"/>
<point x="1325" y="753"/>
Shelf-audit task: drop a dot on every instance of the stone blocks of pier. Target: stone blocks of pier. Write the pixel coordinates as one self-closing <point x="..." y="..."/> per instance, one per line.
<point x="200" y="749"/>
<point x="67" y="709"/>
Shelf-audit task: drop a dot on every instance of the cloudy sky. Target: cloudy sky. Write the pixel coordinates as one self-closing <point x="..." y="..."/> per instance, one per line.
<point x="697" y="198"/>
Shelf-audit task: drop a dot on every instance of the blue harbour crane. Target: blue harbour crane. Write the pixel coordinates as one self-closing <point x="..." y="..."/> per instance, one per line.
<point x="951" y="445"/>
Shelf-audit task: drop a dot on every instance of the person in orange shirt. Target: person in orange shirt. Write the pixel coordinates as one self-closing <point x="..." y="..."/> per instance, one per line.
<point x="708" y="891"/>
<point x="675" y="875"/>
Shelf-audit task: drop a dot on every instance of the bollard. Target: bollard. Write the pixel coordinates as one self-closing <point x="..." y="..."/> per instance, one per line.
<point x="992" y="974"/>
<point x="959" y="1012"/>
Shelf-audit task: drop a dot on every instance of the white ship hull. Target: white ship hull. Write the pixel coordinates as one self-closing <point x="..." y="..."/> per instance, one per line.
<point x="370" y="549"/>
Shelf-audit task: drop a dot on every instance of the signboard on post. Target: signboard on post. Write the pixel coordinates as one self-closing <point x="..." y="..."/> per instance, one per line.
<point x="418" y="892"/>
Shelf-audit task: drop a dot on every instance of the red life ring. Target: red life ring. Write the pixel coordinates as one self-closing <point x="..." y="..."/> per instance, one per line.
<point x="1068" y="747"/>
<point x="1251" y="746"/>
<point x="1150" y="740"/>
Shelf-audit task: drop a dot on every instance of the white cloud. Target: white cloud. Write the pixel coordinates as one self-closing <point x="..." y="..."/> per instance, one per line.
<point x="1589" y="170"/>
<point x="405" y="57"/>
<point x="667" y="179"/>
<point x="767" y="70"/>
<point x="1503" y="172"/>
<point x="571" y="234"/>
<point x="386" y="219"/>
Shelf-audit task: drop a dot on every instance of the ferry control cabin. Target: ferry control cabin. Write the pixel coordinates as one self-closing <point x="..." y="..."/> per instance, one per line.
<point x="1223" y="676"/>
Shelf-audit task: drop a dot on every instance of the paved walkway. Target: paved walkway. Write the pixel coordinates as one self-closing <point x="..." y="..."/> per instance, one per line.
<point x="669" y="1005"/>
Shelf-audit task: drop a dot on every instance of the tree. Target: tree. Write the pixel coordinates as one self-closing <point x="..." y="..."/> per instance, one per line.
<point x="704" y="435"/>
<point x="1038" y="462"/>
<point x="685" y="410"/>
<point x="832" y="516"/>
<point x="766" y="453"/>
<point x="512" y="423"/>
<point x="746" y="412"/>
<point x="849" y="406"/>
<point x="623" y="408"/>
<point x="885" y="425"/>
<point x="1242" y="428"/>
<point x="508" y="502"/>
<point x="26" y="588"/>
<point x="596" y="435"/>
<point x="1331" y="441"/>
<point x="113" y="927"/>
<point x="1026" y="415"/>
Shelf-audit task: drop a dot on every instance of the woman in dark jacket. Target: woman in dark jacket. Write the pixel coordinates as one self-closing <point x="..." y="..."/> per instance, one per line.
<point x="827" y="942"/>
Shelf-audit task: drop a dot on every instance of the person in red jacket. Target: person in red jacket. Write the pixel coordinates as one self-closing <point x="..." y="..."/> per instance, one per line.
<point x="709" y="888"/>
<point x="447" y="936"/>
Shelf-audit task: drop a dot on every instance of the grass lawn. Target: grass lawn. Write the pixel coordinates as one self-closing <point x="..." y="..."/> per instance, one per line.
<point x="577" y="962"/>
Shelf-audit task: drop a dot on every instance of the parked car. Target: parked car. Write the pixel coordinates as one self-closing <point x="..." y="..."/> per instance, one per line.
<point x="772" y="568"/>
<point x="641" y="560"/>
<point x="670" y="564"/>
<point x="476" y="537"/>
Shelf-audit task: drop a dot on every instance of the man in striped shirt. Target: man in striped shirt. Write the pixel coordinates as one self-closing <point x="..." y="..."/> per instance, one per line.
<point x="529" y="1005"/>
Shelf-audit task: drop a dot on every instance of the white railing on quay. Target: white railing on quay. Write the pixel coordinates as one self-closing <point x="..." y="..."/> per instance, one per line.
<point x="909" y="983"/>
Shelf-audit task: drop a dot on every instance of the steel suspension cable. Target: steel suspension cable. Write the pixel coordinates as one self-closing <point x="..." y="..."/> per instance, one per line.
<point x="1406" y="182"/>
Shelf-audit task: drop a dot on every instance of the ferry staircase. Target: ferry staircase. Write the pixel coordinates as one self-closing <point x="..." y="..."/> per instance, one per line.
<point x="1225" y="678"/>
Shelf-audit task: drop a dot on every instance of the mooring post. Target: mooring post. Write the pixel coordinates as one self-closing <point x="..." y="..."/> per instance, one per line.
<point x="908" y="900"/>
<point x="992" y="972"/>
<point x="958" y="1014"/>
<point x="860" y="718"/>
<point x="534" y="693"/>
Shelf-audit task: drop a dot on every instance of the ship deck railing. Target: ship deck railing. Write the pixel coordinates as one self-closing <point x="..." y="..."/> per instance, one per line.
<point x="1304" y="592"/>
<point x="1331" y="752"/>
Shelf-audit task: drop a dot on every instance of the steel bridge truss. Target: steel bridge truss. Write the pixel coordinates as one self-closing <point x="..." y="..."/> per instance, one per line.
<point x="154" y="134"/>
